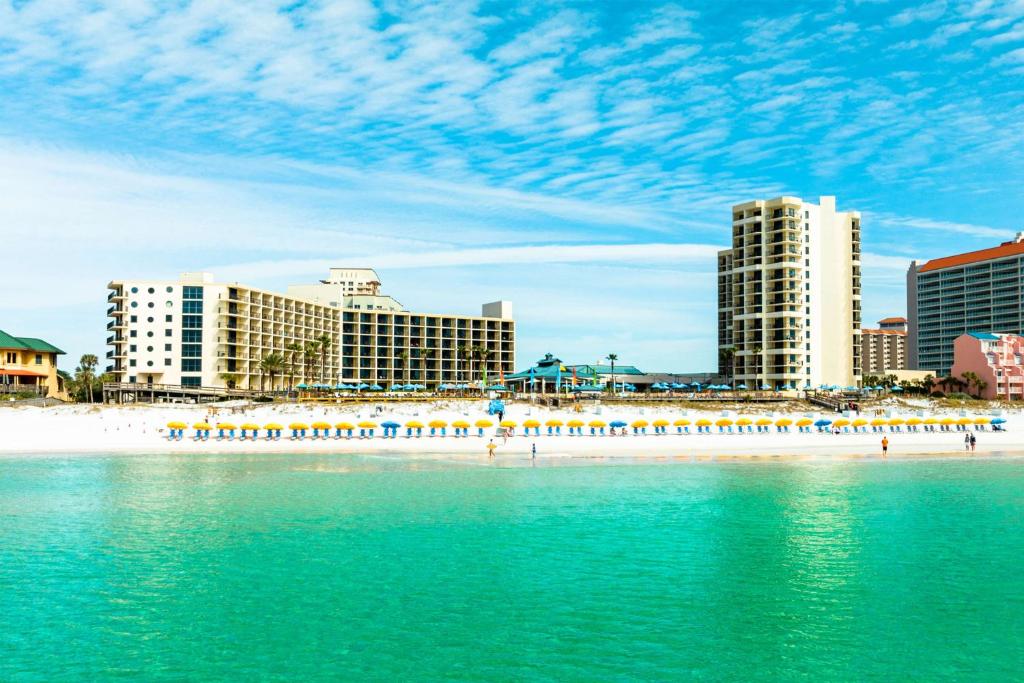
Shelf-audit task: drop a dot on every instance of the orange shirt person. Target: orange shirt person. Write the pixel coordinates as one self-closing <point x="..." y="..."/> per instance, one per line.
<point x="885" y="446"/>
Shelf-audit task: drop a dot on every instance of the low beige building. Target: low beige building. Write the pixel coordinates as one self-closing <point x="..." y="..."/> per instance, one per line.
<point x="885" y="348"/>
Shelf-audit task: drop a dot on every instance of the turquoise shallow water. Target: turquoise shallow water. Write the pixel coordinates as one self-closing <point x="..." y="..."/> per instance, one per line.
<point x="314" y="567"/>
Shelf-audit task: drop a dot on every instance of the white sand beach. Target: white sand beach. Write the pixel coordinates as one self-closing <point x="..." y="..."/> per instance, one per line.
<point x="84" y="429"/>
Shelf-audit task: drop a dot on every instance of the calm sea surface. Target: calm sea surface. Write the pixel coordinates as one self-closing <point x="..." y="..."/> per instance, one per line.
<point x="316" y="567"/>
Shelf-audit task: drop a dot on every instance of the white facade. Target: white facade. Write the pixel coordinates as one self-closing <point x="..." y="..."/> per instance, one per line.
<point x="789" y="295"/>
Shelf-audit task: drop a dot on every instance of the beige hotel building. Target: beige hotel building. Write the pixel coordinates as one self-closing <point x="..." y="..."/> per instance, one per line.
<point x="885" y="348"/>
<point x="789" y="309"/>
<point x="196" y="332"/>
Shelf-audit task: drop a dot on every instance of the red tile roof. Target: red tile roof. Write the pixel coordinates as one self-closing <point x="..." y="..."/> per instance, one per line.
<point x="892" y="320"/>
<point x="21" y="373"/>
<point x="899" y="332"/>
<point x="1002" y="251"/>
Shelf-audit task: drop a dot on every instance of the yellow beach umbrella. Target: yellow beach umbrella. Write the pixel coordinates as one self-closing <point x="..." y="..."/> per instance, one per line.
<point x="723" y="422"/>
<point x="250" y="425"/>
<point x="597" y="423"/>
<point x="273" y="425"/>
<point x="841" y="422"/>
<point x="743" y="421"/>
<point x="681" y="422"/>
<point x="660" y="422"/>
<point x="575" y="423"/>
<point x="914" y="421"/>
<point x="783" y="422"/>
<point x="460" y="424"/>
<point x="553" y="423"/>
<point x="298" y="425"/>
<point x="413" y="424"/>
<point x="484" y="423"/>
<point x="530" y="424"/>
<point x="931" y="421"/>
<point x="896" y="421"/>
<point x="703" y="422"/>
<point x="879" y="422"/>
<point x="321" y="425"/>
<point x="982" y="420"/>
<point x="763" y="422"/>
<point x="804" y="422"/>
<point x="508" y="424"/>
<point x="964" y="421"/>
<point x="947" y="421"/>
<point x="202" y="425"/>
<point x="639" y="423"/>
<point x="437" y="424"/>
<point x="366" y="424"/>
<point x="345" y="426"/>
<point x="177" y="425"/>
<point x="226" y="426"/>
<point x="859" y="422"/>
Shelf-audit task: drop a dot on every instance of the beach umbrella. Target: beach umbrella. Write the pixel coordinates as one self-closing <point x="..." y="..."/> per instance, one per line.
<point x="896" y="388"/>
<point x="460" y="427"/>
<point x="878" y="422"/>
<point x="723" y="423"/>
<point x="247" y="427"/>
<point x="226" y="427"/>
<point x="743" y="421"/>
<point x="998" y="421"/>
<point x="804" y="422"/>
<point x="347" y="427"/>
<point x="822" y="423"/>
<point x="481" y="425"/>
<point x="298" y="430"/>
<point x="782" y="424"/>
<point x="302" y="385"/>
<point x="931" y="421"/>
<point x="177" y="429"/>
<point x="414" y="426"/>
<point x="202" y="430"/>
<point x="318" y="426"/>
<point x="376" y="387"/>
<point x="763" y="422"/>
<point x="575" y="427"/>
<point x="639" y="426"/>
<point x="859" y="422"/>
<point x="532" y="424"/>
<point x="741" y="386"/>
<point x="554" y="425"/>
<point x="841" y="422"/>
<point x="437" y="424"/>
<point x="914" y="421"/>
<point x="390" y="428"/>
<point x="273" y="430"/>
<point x="597" y="425"/>
<point x="765" y="387"/>
<point x="681" y="424"/>
<point x="659" y="425"/>
<point x="396" y="387"/>
<point x="896" y="421"/>
<point x="787" y="387"/>
<point x="617" y="424"/>
<point x="947" y="421"/>
<point x="366" y="428"/>
<point x="508" y="424"/>
<point x="964" y="421"/>
<point x="981" y="420"/>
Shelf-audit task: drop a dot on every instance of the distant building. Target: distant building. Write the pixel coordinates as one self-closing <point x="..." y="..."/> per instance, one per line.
<point x="29" y="365"/>
<point x="197" y="332"/>
<point x="789" y="295"/>
<point x="949" y="296"/>
<point x="997" y="359"/>
<point x="884" y="349"/>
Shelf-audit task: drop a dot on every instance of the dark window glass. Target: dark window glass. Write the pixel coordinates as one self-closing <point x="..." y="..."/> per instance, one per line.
<point x="191" y="365"/>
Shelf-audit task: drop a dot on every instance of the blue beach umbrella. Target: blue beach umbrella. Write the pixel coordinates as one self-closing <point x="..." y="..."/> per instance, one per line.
<point x="741" y="386"/>
<point x="897" y="388"/>
<point x="302" y="385"/>
<point x="617" y="424"/>
<point x="998" y="421"/>
<point x="376" y="387"/>
<point x="765" y="387"/>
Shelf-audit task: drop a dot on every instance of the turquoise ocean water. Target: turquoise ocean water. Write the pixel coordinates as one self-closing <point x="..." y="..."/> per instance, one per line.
<point x="318" y="567"/>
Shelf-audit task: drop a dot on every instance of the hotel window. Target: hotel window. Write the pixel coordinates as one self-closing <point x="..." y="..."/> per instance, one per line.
<point x="192" y="293"/>
<point x="135" y="318"/>
<point x="131" y="363"/>
<point x="191" y="306"/>
<point x="190" y="381"/>
<point x="12" y="358"/>
<point x="167" y="347"/>
<point x="167" y="361"/>
<point x="39" y="359"/>
<point x="133" y="333"/>
<point x="167" y="332"/>
<point x="191" y="365"/>
<point x="168" y="318"/>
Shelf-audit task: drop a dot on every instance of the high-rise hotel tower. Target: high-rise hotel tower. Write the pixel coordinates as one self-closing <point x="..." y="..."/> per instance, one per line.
<point x="789" y="312"/>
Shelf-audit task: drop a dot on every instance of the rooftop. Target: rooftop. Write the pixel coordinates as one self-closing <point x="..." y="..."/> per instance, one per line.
<point x="1014" y="247"/>
<point x="9" y="341"/>
<point x="892" y="320"/>
<point x="896" y="332"/>
<point x="988" y="336"/>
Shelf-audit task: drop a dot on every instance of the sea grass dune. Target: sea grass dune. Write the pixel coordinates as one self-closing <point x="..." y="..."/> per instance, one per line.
<point x="446" y="429"/>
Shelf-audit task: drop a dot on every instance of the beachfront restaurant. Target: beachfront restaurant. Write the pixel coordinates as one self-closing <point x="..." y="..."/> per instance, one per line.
<point x="29" y="366"/>
<point x="550" y="375"/>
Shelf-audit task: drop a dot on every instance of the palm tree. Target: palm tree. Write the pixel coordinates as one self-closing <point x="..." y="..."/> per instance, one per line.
<point x="726" y="355"/>
<point x="324" y="342"/>
<point x="460" y="355"/>
<point x="612" y="357"/>
<point x="404" y="357"/>
<point x="758" y="350"/>
<point x="426" y="355"/>
<point x="230" y="378"/>
<point x="928" y="383"/>
<point x="272" y="364"/>
<point x="474" y="354"/>
<point x="310" y="354"/>
<point x="86" y="371"/>
<point x="293" y="350"/>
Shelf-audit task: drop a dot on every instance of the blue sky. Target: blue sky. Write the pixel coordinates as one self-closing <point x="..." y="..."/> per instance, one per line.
<point x="578" y="159"/>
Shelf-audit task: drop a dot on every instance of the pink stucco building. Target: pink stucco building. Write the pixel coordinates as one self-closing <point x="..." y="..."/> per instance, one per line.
<point x="998" y="359"/>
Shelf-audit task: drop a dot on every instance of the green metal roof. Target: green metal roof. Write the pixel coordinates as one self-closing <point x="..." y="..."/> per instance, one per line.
<point x="9" y="341"/>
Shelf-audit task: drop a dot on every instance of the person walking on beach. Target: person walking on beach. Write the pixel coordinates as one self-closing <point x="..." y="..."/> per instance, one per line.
<point x="533" y="454"/>
<point x="885" y="446"/>
<point x="967" y="442"/>
<point x="974" y="442"/>
<point x="501" y="415"/>
<point x="490" y="448"/>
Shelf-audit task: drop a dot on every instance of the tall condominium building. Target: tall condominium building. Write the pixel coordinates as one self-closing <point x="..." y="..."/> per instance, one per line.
<point x="789" y="295"/>
<point x="978" y="291"/>
<point x="884" y="348"/>
<point x="196" y="332"/>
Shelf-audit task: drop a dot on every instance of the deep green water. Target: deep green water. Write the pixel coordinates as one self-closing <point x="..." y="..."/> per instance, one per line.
<point x="314" y="567"/>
